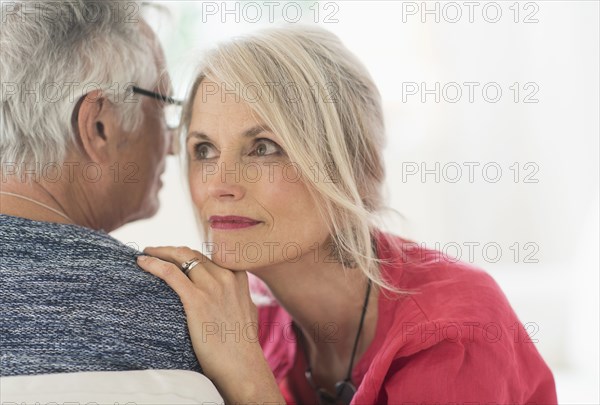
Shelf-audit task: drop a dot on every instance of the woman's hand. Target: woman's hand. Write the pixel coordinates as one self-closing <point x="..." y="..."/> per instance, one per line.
<point x="222" y="320"/>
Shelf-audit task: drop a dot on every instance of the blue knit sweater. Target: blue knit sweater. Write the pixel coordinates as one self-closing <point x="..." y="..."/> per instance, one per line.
<point x="73" y="299"/>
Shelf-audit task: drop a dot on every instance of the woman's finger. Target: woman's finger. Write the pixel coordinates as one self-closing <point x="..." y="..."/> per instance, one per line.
<point x="179" y="256"/>
<point x="169" y="273"/>
<point x="182" y="254"/>
<point x="176" y="255"/>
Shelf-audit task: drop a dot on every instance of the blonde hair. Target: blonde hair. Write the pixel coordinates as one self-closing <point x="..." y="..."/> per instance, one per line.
<point x="318" y="97"/>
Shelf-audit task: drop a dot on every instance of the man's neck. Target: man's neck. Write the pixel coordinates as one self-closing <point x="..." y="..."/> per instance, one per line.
<point x="42" y="201"/>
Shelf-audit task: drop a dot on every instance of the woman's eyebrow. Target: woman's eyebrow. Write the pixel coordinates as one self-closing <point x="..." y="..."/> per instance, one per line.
<point x="249" y="133"/>
<point x="255" y="130"/>
<point x="199" y="135"/>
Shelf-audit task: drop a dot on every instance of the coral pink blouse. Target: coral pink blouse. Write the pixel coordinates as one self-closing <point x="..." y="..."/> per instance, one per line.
<point x="458" y="341"/>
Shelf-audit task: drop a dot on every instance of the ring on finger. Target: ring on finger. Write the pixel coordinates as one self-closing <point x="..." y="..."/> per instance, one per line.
<point x="189" y="265"/>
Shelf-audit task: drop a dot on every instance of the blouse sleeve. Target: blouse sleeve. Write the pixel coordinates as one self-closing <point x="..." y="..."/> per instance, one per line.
<point x="469" y="372"/>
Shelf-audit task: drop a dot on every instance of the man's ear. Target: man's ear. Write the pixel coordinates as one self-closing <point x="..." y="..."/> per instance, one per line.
<point x="96" y="127"/>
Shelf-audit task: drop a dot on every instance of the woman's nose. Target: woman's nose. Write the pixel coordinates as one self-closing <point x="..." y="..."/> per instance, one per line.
<point x="225" y="180"/>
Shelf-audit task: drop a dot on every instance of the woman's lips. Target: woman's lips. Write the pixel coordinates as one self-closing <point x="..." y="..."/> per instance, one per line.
<point x="231" y="222"/>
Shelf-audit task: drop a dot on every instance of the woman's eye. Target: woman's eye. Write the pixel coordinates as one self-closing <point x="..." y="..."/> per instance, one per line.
<point x="265" y="147"/>
<point x="204" y="151"/>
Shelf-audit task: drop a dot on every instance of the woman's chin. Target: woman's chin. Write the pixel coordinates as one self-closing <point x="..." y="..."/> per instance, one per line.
<point x="233" y="265"/>
<point x="235" y="251"/>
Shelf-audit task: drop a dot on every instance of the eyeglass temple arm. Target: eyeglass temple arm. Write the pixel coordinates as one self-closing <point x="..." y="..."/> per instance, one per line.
<point x="157" y="96"/>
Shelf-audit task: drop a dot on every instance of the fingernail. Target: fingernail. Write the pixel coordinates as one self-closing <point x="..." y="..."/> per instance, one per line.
<point x="142" y="258"/>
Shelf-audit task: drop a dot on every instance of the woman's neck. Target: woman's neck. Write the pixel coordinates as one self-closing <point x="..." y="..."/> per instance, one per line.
<point x="325" y="302"/>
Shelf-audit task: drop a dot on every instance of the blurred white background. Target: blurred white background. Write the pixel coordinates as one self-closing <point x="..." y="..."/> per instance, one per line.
<point x="501" y="170"/>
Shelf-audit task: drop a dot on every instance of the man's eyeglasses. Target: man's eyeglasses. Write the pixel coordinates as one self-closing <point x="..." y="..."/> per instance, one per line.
<point x="172" y="108"/>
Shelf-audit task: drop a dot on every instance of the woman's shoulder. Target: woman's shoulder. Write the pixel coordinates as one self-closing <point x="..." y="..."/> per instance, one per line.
<point x="455" y="328"/>
<point x="441" y="288"/>
<point x="450" y="301"/>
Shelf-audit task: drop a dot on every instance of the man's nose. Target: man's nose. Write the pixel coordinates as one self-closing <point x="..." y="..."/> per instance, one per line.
<point x="172" y="142"/>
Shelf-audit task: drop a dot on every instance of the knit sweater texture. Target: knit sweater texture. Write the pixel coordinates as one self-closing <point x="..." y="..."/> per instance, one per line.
<point x="73" y="299"/>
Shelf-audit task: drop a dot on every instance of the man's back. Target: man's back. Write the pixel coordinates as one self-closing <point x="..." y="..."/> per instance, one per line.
<point x="73" y="299"/>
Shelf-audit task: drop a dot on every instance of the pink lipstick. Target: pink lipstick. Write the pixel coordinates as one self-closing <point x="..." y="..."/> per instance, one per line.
<point x="231" y="222"/>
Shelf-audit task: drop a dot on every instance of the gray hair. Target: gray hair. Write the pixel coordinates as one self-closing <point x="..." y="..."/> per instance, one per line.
<point x="53" y="53"/>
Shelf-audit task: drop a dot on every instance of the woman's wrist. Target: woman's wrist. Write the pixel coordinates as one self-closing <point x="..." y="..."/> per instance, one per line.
<point x="257" y="391"/>
<point x="250" y="382"/>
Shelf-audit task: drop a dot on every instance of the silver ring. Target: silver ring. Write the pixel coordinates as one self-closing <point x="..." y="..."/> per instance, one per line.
<point x="189" y="265"/>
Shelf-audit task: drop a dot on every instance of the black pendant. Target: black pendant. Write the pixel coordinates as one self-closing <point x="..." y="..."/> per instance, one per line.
<point x="345" y="390"/>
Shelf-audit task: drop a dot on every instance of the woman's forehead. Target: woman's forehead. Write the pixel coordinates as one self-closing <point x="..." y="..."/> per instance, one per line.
<point x="214" y="99"/>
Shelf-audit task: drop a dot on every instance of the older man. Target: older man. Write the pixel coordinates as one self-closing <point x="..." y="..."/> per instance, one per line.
<point x="83" y="145"/>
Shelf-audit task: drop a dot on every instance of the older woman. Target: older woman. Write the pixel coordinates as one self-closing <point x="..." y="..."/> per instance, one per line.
<point x="284" y="146"/>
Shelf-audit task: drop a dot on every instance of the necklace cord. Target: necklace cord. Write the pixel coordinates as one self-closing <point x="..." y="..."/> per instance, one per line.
<point x="362" y="318"/>
<point x="62" y="214"/>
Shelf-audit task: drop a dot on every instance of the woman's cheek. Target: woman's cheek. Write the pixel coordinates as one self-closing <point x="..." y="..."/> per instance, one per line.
<point x="280" y="186"/>
<point x="198" y="190"/>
